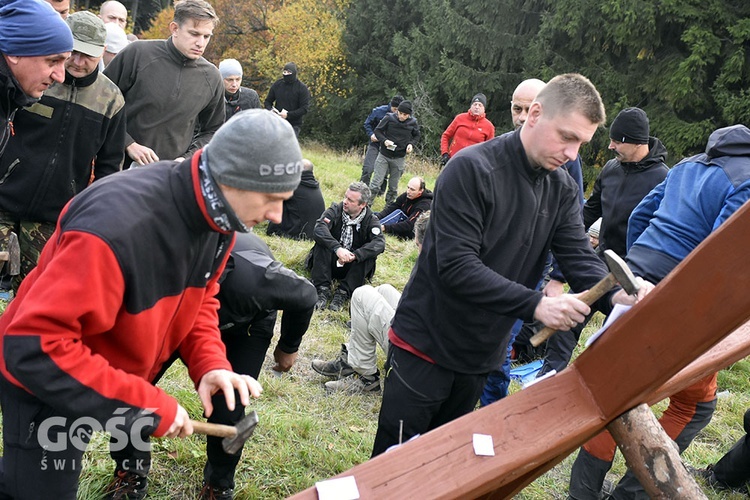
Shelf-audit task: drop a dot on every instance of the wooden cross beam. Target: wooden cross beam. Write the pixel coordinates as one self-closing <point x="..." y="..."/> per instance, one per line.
<point x="688" y="313"/>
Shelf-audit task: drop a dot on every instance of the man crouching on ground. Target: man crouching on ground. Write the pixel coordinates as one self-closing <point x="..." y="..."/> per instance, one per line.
<point x="126" y="281"/>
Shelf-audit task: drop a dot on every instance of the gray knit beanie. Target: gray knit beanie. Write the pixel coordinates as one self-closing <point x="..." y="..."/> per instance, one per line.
<point x="230" y="67"/>
<point x="255" y="150"/>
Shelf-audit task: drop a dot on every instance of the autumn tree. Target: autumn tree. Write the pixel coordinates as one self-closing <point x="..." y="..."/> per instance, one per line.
<point x="243" y="32"/>
<point x="266" y="34"/>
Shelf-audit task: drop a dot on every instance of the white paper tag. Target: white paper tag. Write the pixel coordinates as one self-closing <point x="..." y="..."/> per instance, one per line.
<point x="483" y="445"/>
<point x="342" y="488"/>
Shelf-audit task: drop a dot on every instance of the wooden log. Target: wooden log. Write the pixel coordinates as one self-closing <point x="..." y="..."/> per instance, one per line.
<point x="730" y="350"/>
<point x="652" y="456"/>
<point x="688" y="313"/>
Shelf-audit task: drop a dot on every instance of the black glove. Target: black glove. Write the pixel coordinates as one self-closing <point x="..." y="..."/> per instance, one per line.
<point x="444" y="159"/>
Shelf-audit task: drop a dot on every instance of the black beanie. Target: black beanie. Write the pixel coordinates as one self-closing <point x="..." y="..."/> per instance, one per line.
<point x="480" y="98"/>
<point x="405" y="107"/>
<point x="630" y="125"/>
<point x="396" y="100"/>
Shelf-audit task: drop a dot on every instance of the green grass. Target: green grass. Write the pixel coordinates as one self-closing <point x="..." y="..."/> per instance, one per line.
<point x="305" y="435"/>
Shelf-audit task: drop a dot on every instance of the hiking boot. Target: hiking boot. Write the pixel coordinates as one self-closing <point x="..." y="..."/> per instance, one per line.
<point x="339" y="299"/>
<point x="337" y="368"/>
<point x="355" y="384"/>
<point x="707" y="475"/>
<point x="209" y="492"/>
<point x="126" y="485"/>
<point x="324" y="293"/>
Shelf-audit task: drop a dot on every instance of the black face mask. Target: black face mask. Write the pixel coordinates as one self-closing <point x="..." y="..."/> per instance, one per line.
<point x="290" y="78"/>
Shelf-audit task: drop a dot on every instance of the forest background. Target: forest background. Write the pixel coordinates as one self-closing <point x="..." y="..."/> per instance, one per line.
<point x="685" y="62"/>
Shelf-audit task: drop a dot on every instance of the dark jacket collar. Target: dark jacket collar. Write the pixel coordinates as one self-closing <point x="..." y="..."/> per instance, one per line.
<point x="308" y="179"/>
<point x="657" y="155"/>
<point x="178" y="56"/>
<point x="84" y="81"/>
<point x="11" y="95"/>
<point x="535" y="174"/>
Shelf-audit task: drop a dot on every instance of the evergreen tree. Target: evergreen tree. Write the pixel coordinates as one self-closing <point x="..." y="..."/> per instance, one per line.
<point x="685" y="62"/>
<point x="460" y="49"/>
<point x="375" y="70"/>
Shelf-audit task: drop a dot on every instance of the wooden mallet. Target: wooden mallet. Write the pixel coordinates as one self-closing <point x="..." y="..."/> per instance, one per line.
<point x="619" y="272"/>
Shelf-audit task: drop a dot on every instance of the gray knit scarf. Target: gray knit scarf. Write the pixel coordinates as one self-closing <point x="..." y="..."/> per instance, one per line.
<point x="347" y="231"/>
<point x="216" y="205"/>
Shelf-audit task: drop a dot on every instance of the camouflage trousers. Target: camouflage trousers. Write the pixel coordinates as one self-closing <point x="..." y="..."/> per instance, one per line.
<point x="32" y="236"/>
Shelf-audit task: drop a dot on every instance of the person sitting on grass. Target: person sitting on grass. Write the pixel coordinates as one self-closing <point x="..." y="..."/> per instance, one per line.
<point x="355" y="370"/>
<point x="398" y="218"/>
<point x="348" y="239"/>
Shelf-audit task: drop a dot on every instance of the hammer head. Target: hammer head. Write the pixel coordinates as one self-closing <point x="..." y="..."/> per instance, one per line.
<point x="621" y="272"/>
<point x="245" y="429"/>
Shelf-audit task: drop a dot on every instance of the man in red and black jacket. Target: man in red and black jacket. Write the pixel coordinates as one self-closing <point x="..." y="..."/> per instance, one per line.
<point x="126" y="281"/>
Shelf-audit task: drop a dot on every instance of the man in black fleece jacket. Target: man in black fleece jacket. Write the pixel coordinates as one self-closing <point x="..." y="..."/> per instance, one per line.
<point x="174" y="98"/>
<point x="499" y="208"/>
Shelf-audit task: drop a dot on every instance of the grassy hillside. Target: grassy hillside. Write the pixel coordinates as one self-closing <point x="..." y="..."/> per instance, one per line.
<point x="306" y="435"/>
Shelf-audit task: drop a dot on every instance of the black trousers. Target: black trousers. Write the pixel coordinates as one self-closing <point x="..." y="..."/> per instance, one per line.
<point x="561" y="345"/>
<point x="27" y="469"/>
<point x="733" y="469"/>
<point x="423" y="396"/>
<point x="351" y="276"/>
<point x="246" y="350"/>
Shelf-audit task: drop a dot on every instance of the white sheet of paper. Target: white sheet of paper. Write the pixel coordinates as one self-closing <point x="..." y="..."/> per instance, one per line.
<point x="539" y="379"/>
<point x="483" y="445"/>
<point x="617" y="311"/>
<point x="342" y="488"/>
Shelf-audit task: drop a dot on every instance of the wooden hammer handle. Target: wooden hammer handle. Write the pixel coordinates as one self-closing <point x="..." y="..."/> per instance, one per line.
<point x="216" y="430"/>
<point x="589" y="297"/>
